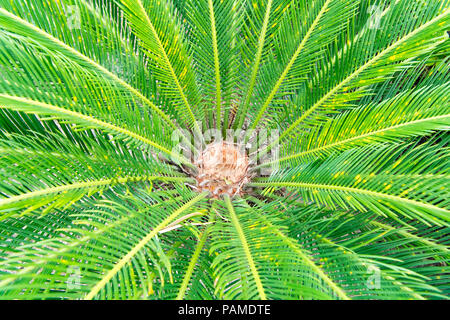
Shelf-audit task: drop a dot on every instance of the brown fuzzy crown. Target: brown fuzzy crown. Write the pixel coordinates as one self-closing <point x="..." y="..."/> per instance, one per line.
<point x="222" y="169"/>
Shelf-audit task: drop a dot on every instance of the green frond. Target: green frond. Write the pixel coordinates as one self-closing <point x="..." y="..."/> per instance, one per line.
<point x="251" y="245"/>
<point x="396" y="53"/>
<point x="374" y="178"/>
<point x="22" y="28"/>
<point x="373" y="269"/>
<point x="83" y="121"/>
<point x="195" y="256"/>
<point x="136" y="259"/>
<point x="164" y="46"/>
<point x="215" y="44"/>
<point x="257" y="60"/>
<point x="33" y="178"/>
<point x="415" y="112"/>
<point x="330" y="14"/>
<point x="126" y="259"/>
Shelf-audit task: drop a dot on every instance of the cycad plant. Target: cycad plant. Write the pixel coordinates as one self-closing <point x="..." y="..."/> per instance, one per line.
<point x="132" y="164"/>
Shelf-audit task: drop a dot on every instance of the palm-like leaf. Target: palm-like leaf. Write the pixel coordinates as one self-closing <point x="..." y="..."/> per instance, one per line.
<point x="95" y="201"/>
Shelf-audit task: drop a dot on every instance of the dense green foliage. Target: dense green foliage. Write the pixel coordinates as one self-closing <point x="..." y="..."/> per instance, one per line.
<point x="95" y="204"/>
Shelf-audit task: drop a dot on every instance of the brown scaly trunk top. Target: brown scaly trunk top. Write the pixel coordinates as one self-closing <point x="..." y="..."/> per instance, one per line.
<point x="222" y="169"/>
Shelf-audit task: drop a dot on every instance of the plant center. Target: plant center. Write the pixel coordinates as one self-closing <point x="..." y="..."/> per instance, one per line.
<point x="222" y="169"/>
